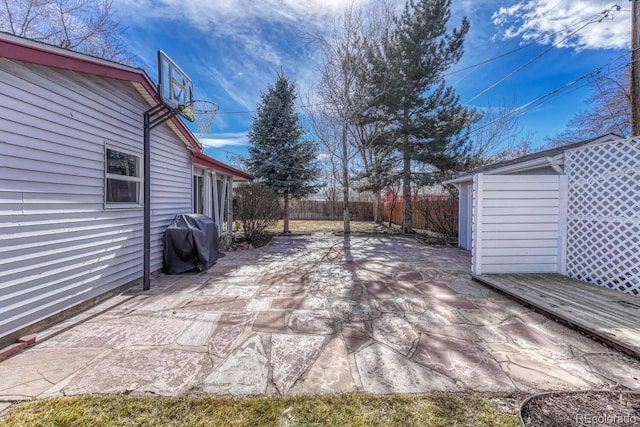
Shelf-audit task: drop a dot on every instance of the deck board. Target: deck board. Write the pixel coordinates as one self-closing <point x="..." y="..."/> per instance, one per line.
<point x="606" y="314"/>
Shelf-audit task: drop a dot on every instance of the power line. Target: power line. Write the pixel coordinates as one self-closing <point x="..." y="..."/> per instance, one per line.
<point x="524" y="46"/>
<point x="297" y="107"/>
<point x="604" y="14"/>
<point x="547" y="96"/>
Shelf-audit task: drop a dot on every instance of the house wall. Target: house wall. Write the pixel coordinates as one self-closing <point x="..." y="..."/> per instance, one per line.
<point x="517" y="223"/>
<point x="59" y="246"/>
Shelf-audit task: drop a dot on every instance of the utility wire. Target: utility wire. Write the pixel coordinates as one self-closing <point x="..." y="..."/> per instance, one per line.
<point x="298" y="107"/>
<point x="524" y="46"/>
<point x="521" y="109"/>
<point x="603" y="15"/>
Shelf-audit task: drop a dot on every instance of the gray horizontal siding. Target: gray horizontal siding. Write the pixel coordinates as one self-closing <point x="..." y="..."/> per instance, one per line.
<point x="59" y="246"/>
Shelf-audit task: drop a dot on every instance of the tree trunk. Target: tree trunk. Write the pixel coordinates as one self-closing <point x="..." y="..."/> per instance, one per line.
<point x="345" y="178"/>
<point x="285" y="214"/>
<point x="393" y="206"/>
<point x="376" y="207"/>
<point x="406" y="188"/>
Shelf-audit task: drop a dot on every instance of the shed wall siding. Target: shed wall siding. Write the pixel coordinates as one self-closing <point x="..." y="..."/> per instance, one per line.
<point x="516" y="224"/>
<point x="59" y="246"/>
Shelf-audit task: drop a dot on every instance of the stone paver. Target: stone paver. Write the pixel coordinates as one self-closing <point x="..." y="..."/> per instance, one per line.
<point x="331" y="372"/>
<point x="313" y="322"/>
<point x="198" y="332"/>
<point x="34" y="371"/>
<point x="384" y="371"/>
<point x="396" y="332"/>
<point x="355" y="335"/>
<point x="270" y="321"/>
<point x="158" y="370"/>
<point x="353" y="311"/>
<point x="291" y="355"/>
<point x="463" y="361"/>
<point x="378" y="290"/>
<point x="287" y="303"/>
<point x="230" y="327"/>
<point x="535" y="372"/>
<point x="315" y="314"/>
<point x="259" y="304"/>
<point x="616" y="368"/>
<point x="244" y="372"/>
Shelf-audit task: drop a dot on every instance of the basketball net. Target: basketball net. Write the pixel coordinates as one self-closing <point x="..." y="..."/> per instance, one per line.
<point x="202" y="113"/>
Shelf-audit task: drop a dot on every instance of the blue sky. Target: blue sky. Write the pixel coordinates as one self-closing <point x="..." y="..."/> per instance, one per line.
<point x="232" y="50"/>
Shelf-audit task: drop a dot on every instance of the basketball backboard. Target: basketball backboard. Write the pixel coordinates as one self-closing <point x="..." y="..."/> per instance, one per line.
<point x="175" y="88"/>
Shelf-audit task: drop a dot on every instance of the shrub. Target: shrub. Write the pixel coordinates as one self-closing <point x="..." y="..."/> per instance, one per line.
<point x="441" y="216"/>
<point x="257" y="207"/>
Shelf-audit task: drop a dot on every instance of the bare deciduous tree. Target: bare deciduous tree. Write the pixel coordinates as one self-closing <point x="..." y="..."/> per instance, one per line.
<point x="336" y="124"/>
<point x="340" y="56"/>
<point x="609" y="110"/>
<point x="85" y="26"/>
<point x="495" y="137"/>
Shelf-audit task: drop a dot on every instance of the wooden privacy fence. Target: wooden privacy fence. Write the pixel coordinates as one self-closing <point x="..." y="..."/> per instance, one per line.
<point x="440" y="216"/>
<point x="328" y="210"/>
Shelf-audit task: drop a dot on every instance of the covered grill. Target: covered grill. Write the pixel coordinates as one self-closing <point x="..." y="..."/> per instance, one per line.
<point x="190" y="242"/>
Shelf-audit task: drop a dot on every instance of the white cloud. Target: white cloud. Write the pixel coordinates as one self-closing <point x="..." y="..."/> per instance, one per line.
<point x="224" y="15"/>
<point x="225" y="140"/>
<point x="551" y="21"/>
<point x="241" y="43"/>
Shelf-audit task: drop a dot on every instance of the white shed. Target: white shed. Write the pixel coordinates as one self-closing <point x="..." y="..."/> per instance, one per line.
<point x="71" y="202"/>
<point x="513" y="214"/>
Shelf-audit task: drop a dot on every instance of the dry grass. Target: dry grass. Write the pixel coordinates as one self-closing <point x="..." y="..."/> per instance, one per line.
<point x="305" y="227"/>
<point x="428" y="409"/>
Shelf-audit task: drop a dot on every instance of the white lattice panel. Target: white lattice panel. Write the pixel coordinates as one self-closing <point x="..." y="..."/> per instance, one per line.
<point x="603" y="218"/>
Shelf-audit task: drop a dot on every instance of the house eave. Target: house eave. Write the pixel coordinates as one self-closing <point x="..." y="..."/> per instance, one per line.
<point x="553" y="162"/>
<point x="202" y="159"/>
<point x="536" y="160"/>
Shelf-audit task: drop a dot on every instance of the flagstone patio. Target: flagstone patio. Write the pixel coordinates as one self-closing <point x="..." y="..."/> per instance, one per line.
<point x="315" y="314"/>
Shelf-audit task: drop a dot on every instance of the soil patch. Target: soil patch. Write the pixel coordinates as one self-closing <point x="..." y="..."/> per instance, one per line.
<point x="582" y="408"/>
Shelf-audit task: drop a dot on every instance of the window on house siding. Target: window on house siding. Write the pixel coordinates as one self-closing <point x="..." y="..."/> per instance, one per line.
<point x="123" y="179"/>
<point x="198" y="194"/>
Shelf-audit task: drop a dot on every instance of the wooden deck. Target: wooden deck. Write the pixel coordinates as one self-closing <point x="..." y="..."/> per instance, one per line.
<point x="608" y="315"/>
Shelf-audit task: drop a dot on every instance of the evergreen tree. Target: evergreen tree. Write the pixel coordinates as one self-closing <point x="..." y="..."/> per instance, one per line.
<point x="407" y="91"/>
<point x="278" y="156"/>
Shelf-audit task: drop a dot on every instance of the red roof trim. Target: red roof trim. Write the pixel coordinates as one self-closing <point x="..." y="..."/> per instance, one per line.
<point x="98" y="67"/>
<point x="204" y="160"/>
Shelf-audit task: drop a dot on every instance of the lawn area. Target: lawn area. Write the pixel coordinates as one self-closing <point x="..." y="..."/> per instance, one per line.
<point x="305" y="226"/>
<point x="428" y="409"/>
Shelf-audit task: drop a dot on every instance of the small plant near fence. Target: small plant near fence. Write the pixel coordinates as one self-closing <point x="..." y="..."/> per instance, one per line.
<point x="437" y="213"/>
<point x="256" y="207"/>
<point x="440" y="216"/>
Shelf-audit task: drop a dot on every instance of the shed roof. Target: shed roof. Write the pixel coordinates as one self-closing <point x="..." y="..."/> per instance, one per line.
<point x="21" y="49"/>
<point x="531" y="161"/>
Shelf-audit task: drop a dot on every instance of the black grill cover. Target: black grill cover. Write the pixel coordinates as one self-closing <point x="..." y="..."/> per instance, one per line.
<point x="190" y="242"/>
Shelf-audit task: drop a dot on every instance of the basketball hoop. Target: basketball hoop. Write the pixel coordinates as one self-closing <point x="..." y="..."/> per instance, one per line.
<point x="202" y="112"/>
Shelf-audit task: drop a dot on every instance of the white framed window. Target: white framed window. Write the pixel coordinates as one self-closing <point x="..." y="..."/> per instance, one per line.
<point x="123" y="178"/>
<point x="198" y="194"/>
